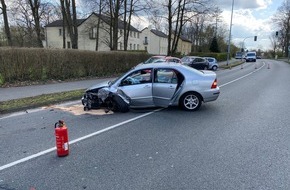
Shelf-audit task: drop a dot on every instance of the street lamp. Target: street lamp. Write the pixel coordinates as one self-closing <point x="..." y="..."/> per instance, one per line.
<point x="229" y="45"/>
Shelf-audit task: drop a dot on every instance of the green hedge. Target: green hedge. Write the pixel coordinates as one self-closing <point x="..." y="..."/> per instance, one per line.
<point x="32" y="64"/>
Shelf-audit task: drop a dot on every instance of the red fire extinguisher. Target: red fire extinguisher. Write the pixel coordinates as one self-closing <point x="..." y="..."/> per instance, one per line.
<point x="61" y="135"/>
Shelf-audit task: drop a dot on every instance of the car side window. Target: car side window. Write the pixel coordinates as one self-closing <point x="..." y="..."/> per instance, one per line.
<point x="137" y="77"/>
<point x="197" y="60"/>
<point x="165" y="76"/>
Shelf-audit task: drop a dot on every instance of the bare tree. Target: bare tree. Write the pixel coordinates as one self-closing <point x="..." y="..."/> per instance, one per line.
<point x="64" y="19"/>
<point x="282" y="19"/>
<point x="35" y="5"/>
<point x="178" y="14"/>
<point x="69" y="13"/>
<point x="98" y="25"/>
<point x="127" y="25"/>
<point x="6" y="23"/>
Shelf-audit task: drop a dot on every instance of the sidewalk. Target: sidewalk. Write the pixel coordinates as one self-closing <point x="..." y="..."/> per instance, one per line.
<point x="34" y="90"/>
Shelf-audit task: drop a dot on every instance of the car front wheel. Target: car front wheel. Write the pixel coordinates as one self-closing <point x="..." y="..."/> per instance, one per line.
<point x="214" y="68"/>
<point x="119" y="105"/>
<point x="190" y="101"/>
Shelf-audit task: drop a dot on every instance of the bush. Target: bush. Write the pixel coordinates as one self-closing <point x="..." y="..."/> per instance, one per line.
<point x="36" y="64"/>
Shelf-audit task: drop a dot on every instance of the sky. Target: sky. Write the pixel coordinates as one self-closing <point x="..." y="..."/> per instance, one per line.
<point x="250" y="18"/>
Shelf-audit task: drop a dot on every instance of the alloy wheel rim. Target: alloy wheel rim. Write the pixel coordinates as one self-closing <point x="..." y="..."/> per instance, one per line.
<point x="191" y="102"/>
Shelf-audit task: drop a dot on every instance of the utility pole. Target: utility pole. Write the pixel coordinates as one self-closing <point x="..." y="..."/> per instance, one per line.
<point x="229" y="44"/>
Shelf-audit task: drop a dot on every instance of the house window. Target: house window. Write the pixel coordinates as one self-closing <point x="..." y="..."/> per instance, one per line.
<point x="134" y="34"/>
<point x="59" y="32"/>
<point x="92" y="33"/>
<point x="145" y="41"/>
<point x="138" y="35"/>
<point x="137" y="46"/>
<point x="68" y="45"/>
<point x="130" y="46"/>
<point x="121" y="46"/>
<point x="134" y="46"/>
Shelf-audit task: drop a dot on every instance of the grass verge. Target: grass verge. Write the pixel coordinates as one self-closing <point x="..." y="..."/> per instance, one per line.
<point x="230" y="65"/>
<point x="41" y="100"/>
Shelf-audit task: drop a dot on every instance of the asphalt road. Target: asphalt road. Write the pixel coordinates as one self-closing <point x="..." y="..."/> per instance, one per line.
<point x="240" y="141"/>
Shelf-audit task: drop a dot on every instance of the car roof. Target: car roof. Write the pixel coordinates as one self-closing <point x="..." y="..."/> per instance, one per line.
<point x="191" y="56"/>
<point x="172" y="65"/>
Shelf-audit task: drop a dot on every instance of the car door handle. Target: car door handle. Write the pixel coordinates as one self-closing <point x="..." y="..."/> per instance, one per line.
<point x="171" y="87"/>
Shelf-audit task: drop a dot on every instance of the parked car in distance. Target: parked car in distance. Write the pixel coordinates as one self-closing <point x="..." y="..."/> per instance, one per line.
<point x="161" y="58"/>
<point x="154" y="85"/>
<point x="239" y="55"/>
<point x="251" y="56"/>
<point x="213" y="64"/>
<point x="196" y="62"/>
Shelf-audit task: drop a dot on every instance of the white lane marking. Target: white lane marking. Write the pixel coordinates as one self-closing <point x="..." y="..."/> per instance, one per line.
<point x="76" y="140"/>
<point x="243" y="76"/>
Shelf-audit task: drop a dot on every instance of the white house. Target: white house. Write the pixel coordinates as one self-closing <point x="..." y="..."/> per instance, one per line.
<point x="87" y="34"/>
<point x="154" y="41"/>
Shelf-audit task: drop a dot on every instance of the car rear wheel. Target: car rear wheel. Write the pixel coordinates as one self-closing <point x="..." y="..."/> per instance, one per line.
<point x="190" y="101"/>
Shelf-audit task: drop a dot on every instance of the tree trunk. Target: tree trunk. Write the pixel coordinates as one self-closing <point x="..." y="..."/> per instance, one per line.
<point x="127" y="24"/>
<point x="6" y="23"/>
<point x="63" y="23"/>
<point x="98" y="26"/>
<point x="34" y="5"/>
<point x="116" y="25"/>
<point x="169" y="6"/>
<point x="75" y="26"/>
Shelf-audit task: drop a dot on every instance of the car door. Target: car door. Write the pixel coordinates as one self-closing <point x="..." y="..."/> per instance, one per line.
<point x="164" y="86"/>
<point x="199" y="62"/>
<point x="138" y="87"/>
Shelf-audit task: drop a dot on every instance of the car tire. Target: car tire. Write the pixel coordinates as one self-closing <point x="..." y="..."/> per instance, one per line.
<point x="119" y="105"/>
<point x="214" y="67"/>
<point x="190" y="101"/>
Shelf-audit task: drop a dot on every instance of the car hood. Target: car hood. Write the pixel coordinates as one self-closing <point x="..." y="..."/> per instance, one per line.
<point x="99" y="85"/>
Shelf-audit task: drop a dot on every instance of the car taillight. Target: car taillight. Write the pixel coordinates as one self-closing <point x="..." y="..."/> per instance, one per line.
<point x="214" y="84"/>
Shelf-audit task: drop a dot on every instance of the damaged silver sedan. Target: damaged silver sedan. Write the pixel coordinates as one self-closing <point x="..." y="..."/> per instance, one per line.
<point x="154" y="85"/>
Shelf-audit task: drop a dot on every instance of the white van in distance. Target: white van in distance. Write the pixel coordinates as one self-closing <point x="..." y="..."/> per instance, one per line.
<point x="251" y="56"/>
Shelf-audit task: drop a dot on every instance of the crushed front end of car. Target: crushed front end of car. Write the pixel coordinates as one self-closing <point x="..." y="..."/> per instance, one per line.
<point x="103" y="98"/>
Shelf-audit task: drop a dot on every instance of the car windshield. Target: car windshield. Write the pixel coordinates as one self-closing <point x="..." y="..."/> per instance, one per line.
<point x="184" y="59"/>
<point x="152" y="59"/>
<point x="250" y="54"/>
